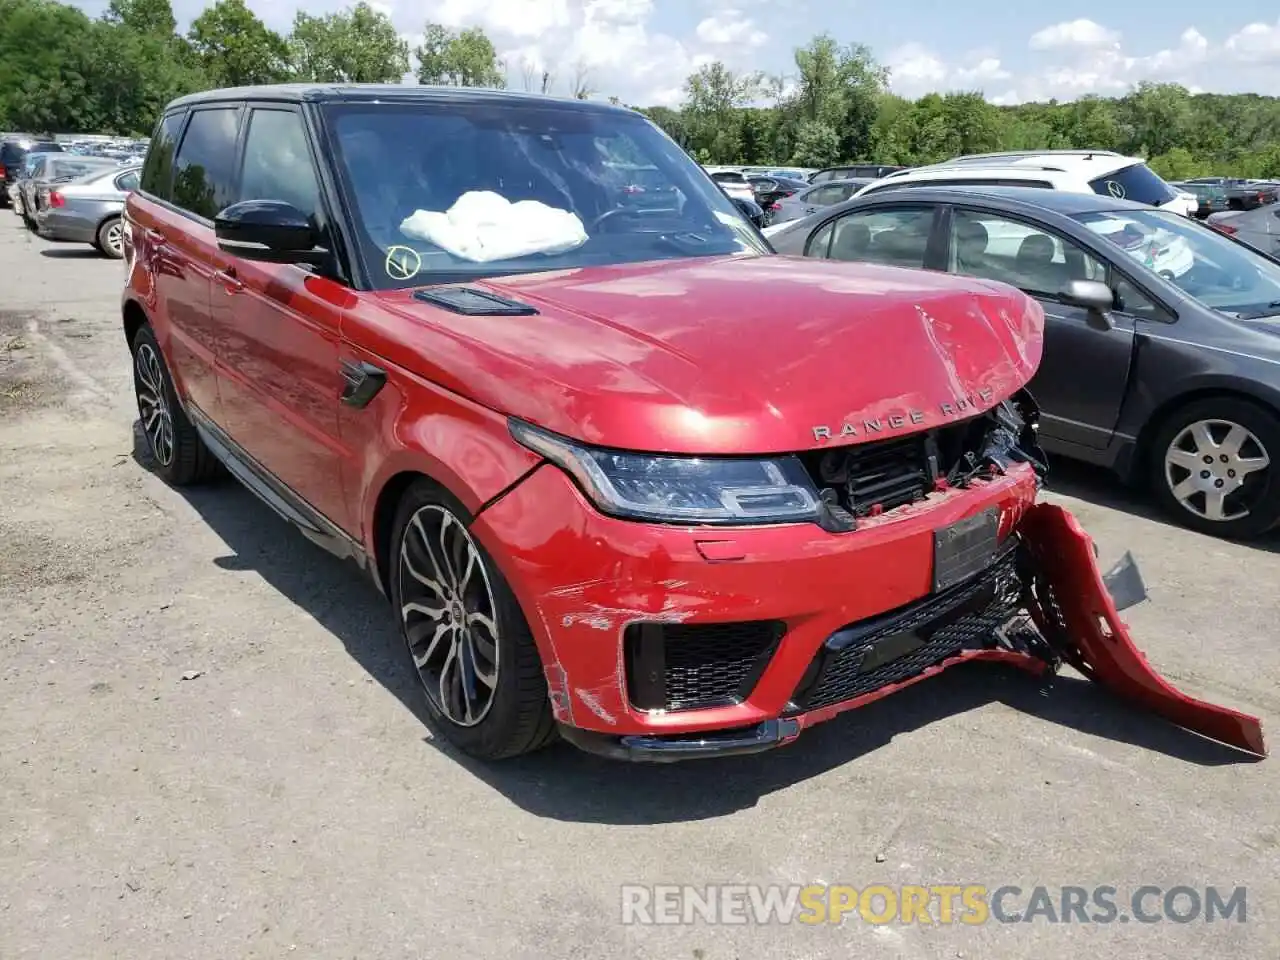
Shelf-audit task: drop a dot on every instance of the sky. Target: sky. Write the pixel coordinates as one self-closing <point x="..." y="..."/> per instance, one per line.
<point x="641" y="50"/>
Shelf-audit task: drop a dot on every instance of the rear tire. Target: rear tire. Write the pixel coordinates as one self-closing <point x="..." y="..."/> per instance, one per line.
<point x="110" y="238"/>
<point x="1219" y="457"/>
<point x="179" y="455"/>
<point x="468" y="641"/>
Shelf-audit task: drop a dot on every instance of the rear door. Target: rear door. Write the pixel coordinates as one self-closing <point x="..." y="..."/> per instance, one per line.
<point x="279" y="372"/>
<point x="1084" y="373"/>
<point x="189" y="177"/>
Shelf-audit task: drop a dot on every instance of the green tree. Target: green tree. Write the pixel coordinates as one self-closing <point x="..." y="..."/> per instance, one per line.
<point x="458" y="59"/>
<point x="144" y="16"/>
<point x="714" y="98"/>
<point x="235" y="48"/>
<point x="357" y="45"/>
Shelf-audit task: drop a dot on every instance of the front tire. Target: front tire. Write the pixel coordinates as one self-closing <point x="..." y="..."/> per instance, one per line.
<point x="468" y="640"/>
<point x="179" y="455"/>
<point x="1215" y="467"/>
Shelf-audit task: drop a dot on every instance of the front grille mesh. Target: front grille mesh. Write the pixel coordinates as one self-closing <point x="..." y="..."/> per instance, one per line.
<point x="965" y="617"/>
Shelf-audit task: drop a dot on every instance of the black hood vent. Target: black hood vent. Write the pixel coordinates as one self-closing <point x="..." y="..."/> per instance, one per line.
<point x="473" y="302"/>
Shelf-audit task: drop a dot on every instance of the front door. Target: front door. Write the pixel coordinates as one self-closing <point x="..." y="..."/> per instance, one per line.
<point x="279" y="374"/>
<point x="1084" y="372"/>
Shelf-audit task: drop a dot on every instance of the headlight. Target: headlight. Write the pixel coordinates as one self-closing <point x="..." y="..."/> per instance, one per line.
<point x="674" y="489"/>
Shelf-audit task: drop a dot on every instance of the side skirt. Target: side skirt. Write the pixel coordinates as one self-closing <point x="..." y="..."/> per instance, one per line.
<point x="268" y="488"/>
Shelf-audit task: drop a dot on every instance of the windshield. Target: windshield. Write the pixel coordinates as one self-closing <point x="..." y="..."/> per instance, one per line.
<point x="1199" y="261"/>
<point x="446" y="193"/>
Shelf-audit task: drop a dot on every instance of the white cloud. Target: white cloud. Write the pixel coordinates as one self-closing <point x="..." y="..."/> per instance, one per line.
<point x="1080" y="57"/>
<point x="1256" y="43"/>
<point x="1073" y="33"/>
<point x="728" y="27"/>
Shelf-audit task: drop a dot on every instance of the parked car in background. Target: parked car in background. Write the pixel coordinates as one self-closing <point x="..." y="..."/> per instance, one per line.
<point x="1242" y="194"/>
<point x="1210" y="198"/>
<point x="49" y="170"/>
<point x="1162" y="336"/>
<point x="812" y="200"/>
<point x="13" y="155"/>
<point x="769" y="190"/>
<point x="1078" y="171"/>
<point x="855" y="171"/>
<point x="88" y="209"/>
<point x="1259" y="227"/>
<point x="733" y="183"/>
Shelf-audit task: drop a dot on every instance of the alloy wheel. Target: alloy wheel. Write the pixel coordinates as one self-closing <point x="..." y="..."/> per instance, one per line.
<point x="1216" y="469"/>
<point x="153" y="407"/>
<point x="113" y="239"/>
<point x="449" y="614"/>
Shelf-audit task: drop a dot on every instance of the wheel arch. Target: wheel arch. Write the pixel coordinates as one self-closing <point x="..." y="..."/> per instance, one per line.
<point x="134" y="319"/>
<point x="1171" y="405"/>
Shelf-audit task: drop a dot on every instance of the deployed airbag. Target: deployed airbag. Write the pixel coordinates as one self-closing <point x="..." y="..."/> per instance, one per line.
<point x="483" y="226"/>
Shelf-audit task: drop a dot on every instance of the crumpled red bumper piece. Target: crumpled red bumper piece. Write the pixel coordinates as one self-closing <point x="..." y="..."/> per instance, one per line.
<point x="1098" y="642"/>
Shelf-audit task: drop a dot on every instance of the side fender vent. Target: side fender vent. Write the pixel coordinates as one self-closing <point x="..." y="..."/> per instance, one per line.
<point x="474" y="303"/>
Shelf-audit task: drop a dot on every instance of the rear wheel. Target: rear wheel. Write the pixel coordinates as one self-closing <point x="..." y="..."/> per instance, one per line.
<point x="1214" y="469"/>
<point x="180" y="456"/>
<point x="110" y="239"/>
<point x="468" y="639"/>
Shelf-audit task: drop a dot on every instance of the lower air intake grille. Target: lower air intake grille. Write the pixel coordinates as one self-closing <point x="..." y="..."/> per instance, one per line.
<point x="675" y="666"/>
<point x="898" y="645"/>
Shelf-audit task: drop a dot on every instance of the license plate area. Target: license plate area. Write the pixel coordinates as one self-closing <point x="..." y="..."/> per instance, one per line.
<point x="965" y="548"/>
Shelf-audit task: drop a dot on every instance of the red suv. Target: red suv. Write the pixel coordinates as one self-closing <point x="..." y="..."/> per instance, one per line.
<point x="624" y="473"/>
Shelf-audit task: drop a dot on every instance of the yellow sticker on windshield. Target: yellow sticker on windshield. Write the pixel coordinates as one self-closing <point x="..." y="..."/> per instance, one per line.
<point x="402" y="263"/>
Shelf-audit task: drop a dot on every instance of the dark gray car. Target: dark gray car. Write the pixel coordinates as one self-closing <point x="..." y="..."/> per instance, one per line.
<point x="1162" y="336"/>
<point x="87" y="210"/>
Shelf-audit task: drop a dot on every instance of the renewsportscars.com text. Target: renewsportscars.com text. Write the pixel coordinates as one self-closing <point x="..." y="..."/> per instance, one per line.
<point x="969" y="904"/>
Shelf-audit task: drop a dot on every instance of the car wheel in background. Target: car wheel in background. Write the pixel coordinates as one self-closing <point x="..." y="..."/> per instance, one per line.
<point x="110" y="239"/>
<point x="470" y="644"/>
<point x="1215" y="467"/>
<point x="180" y="456"/>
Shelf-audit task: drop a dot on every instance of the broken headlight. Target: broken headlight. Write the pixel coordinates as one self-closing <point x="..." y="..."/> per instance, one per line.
<point x="680" y="489"/>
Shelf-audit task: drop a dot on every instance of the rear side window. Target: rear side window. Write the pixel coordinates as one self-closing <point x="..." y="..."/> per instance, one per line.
<point x="157" y="171"/>
<point x="1137" y="183"/>
<point x="204" y="170"/>
<point x="128" y="182"/>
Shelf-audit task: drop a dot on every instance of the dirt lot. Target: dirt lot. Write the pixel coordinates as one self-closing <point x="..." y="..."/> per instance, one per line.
<point x="289" y="797"/>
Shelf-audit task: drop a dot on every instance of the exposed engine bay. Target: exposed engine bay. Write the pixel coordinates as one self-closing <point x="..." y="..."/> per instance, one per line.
<point x="871" y="478"/>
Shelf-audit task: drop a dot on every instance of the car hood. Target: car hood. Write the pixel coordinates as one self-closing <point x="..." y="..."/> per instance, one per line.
<point x="750" y="354"/>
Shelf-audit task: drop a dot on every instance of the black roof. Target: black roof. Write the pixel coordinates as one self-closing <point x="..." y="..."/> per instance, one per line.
<point x="384" y="92"/>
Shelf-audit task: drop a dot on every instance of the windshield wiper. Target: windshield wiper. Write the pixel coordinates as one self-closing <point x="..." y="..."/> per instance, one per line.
<point x="1270" y="310"/>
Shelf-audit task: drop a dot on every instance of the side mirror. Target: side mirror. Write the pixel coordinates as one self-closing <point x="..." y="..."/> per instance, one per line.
<point x="268" y="230"/>
<point x="751" y="210"/>
<point x="1093" y="296"/>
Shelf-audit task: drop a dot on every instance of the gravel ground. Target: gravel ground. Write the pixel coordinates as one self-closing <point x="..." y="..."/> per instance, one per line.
<point x="288" y="797"/>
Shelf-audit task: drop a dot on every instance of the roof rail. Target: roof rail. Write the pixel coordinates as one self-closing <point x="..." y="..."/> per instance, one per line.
<point x="1009" y="154"/>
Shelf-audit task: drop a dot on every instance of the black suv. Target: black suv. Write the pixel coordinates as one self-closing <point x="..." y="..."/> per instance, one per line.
<point x="13" y="153"/>
<point x="855" y="171"/>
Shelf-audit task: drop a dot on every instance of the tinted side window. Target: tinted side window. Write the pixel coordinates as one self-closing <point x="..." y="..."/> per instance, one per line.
<point x="895" y="237"/>
<point x="277" y="163"/>
<point x="204" y="170"/>
<point x="157" y="170"/>
<point x="1137" y="183"/>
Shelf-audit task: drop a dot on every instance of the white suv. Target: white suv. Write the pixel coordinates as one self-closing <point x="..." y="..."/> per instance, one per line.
<point x="1081" y="171"/>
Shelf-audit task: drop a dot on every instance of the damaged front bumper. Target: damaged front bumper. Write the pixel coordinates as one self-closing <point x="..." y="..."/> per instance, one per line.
<point x="1042" y="603"/>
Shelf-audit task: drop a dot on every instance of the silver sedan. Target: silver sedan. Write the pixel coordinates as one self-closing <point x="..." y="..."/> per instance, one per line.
<point x="88" y="210"/>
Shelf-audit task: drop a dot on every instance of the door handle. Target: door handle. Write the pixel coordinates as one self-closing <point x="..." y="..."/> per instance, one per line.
<point x="230" y="282"/>
<point x="155" y="236"/>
